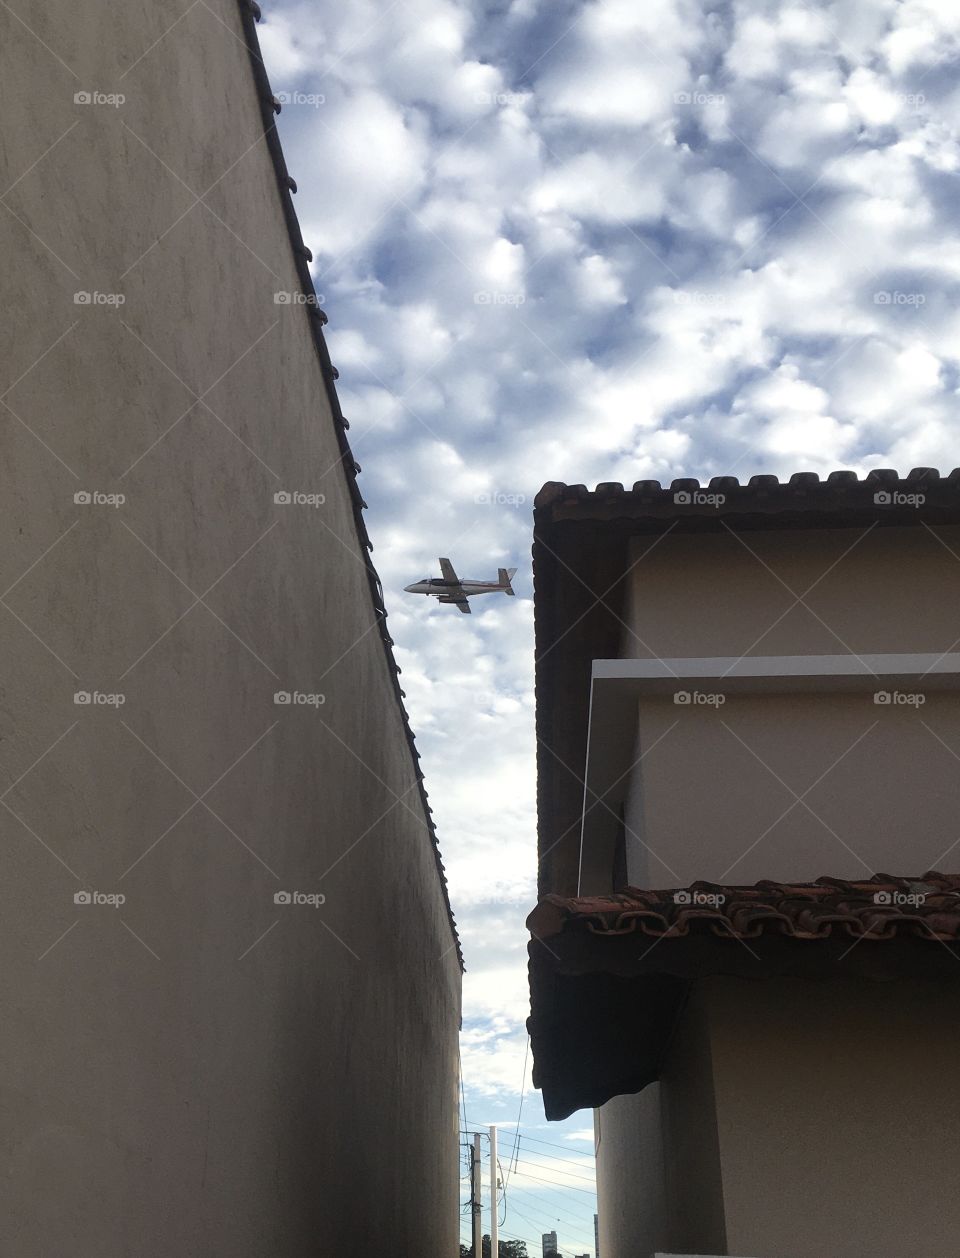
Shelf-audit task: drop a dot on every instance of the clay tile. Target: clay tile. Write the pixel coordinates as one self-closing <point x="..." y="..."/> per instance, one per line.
<point x="842" y="478"/>
<point x="610" y="489"/>
<point x="722" y="483"/>
<point x="549" y="493"/>
<point x="765" y="481"/>
<point x="804" y="480"/>
<point x="687" y="482"/>
<point x="884" y="475"/>
<point x="649" y="487"/>
<point x="923" y="473"/>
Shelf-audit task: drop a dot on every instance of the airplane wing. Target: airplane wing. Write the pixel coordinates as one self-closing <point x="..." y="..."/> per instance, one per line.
<point x="464" y="606"/>
<point x="446" y="567"/>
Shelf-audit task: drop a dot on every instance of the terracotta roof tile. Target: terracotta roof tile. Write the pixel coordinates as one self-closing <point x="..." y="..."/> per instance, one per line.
<point x="609" y="975"/>
<point x="877" y="908"/>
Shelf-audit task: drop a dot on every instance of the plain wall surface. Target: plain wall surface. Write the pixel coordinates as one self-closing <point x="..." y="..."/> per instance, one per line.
<point x="821" y="1123"/>
<point x="792" y="787"/>
<point x="201" y="1071"/>
<point x="836" y="1105"/>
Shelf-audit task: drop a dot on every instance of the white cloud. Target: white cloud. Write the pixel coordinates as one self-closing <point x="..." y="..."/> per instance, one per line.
<point x="612" y="241"/>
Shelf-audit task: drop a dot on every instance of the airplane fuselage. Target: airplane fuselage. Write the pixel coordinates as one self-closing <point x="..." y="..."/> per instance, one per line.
<point x="437" y="587"/>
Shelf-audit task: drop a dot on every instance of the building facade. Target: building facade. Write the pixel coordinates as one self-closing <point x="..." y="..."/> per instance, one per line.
<point x="231" y="985"/>
<point x="749" y="700"/>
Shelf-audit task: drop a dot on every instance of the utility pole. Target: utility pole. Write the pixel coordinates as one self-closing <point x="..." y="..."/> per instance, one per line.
<point x="475" y="1189"/>
<point x="494" y="1222"/>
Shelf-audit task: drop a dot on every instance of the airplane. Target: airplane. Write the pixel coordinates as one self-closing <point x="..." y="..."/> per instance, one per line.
<point x="451" y="589"/>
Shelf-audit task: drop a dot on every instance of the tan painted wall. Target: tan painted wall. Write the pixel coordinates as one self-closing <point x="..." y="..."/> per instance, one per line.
<point x="830" y="1103"/>
<point x="893" y="590"/>
<point x="717" y="797"/>
<point x="170" y="1085"/>
<point x="836" y="1107"/>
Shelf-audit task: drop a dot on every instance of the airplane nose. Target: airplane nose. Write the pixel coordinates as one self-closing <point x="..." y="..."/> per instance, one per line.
<point x="408" y="589"/>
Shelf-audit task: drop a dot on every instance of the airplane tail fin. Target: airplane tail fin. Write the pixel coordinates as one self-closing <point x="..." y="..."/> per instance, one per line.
<point x="505" y="577"/>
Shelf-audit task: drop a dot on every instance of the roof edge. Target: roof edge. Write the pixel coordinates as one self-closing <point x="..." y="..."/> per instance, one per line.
<point x="250" y="14"/>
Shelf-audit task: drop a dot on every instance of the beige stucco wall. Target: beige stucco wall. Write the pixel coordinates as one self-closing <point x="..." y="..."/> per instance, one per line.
<point x="825" y="1105"/>
<point x="200" y="1071"/>
<point x="716" y="797"/>
<point x="887" y="590"/>
<point x="836" y="1105"/>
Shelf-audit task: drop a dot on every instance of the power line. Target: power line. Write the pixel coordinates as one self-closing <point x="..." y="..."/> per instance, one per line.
<point x="553" y="1184"/>
<point x="545" y="1166"/>
<point x="550" y="1143"/>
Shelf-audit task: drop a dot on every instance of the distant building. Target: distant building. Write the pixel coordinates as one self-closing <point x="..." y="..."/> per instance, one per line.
<point x="550" y="1244"/>
<point x="748" y="703"/>
<point x="596" y="1235"/>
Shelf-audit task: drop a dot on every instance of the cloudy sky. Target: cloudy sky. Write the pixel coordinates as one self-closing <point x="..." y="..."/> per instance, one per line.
<point x="602" y="241"/>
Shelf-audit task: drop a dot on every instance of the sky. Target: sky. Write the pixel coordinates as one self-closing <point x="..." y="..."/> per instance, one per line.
<point x="601" y="241"/>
